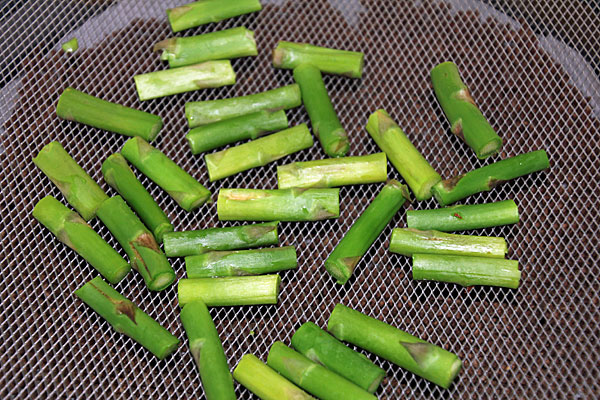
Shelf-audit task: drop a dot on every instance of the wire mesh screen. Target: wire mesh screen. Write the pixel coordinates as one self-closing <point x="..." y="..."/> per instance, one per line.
<point x="530" y="66"/>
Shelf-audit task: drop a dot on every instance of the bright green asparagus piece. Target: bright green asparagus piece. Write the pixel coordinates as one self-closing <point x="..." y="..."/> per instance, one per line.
<point x="230" y="291"/>
<point x="71" y="45"/>
<point x="331" y="61"/>
<point x="207" y="11"/>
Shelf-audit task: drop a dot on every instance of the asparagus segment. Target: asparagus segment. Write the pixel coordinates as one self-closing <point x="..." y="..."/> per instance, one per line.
<point x="81" y="191"/>
<point x="73" y="231"/>
<point x="319" y="346"/>
<point x="324" y="120"/>
<point x="343" y="259"/>
<point x="74" y="105"/>
<point x="125" y="317"/>
<point x="181" y="186"/>
<point x="70" y="46"/>
<point x="403" y="349"/>
<point x="466" y="271"/>
<point x="139" y="244"/>
<point x="312" y="377"/>
<point x="257" y="153"/>
<point x="230" y="291"/>
<point x="466" y="119"/>
<point x="293" y="204"/>
<point x="331" y="61"/>
<point x="209" y="74"/>
<point x="207" y="350"/>
<point x="207" y="11"/>
<point x="488" y="177"/>
<point x="405" y="157"/>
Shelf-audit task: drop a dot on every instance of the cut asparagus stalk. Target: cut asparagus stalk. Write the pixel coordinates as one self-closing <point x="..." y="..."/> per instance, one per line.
<point x="70" y="46"/>
<point x="312" y="377"/>
<point x="241" y="262"/>
<point x="207" y="350"/>
<point x="257" y="153"/>
<point x="294" y="204"/>
<point x="207" y="11"/>
<point x="468" y="123"/>
<point x="403" y="349"/>
<point x="343" y="259"/>
<point x="322" y="348"/>
<point x="464" y="217"/>
<point x="220" y="45"/>
<point x="264" y="382"/>
<point x="74" y="105"/>
<point x="230" y="291"/>
<point x="333" y="172"/>
<point x="331" y="61"/>
<point x="137" y="241"/>
<point x="73" y="231"/>
<point x="206" y="112"/>
<point x="81" y="191"/>
<point x="488" y="177"/>
<point x="405" y="157"/>
<point x="180" y="185"/>
<point x="324" y="120"/>
<point x="209" y="74"/>
<point x="125" y="317"/>
<point x="467" y="271"/>
<point x="119" y="176"/>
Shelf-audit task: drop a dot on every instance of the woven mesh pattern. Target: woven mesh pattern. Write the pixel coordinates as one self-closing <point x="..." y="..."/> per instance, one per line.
<point x="539" y="341"/>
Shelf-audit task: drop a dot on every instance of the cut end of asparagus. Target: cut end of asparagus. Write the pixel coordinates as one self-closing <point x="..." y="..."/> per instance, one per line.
<point x="70" y="46"/>
<point x="341" y="269"/>
<point x="162" y="281"/>
<point x="493" y="147"/>
<point x="160" y="230"/>
<point x="340" y="146"/>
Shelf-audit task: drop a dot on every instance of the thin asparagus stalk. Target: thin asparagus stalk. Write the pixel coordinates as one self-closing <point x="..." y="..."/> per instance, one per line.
<point x="405" y="157"/>
<point x="322" y="348"/>
<point x="125" y="317"/>
<point x="207" y="11"/>
<point x="488" y="177"/>
<point x="73" y="231"/>
<point x="467" y="271"/>
<point x="70" y="46"/>
<point x="74" y="105"/>
<point x="333" y="172"/>
<point x="331" y="61"/>
<point x="209" y="74"/>
<point x="139" y="244"/>
<point x="466" y="119"/>
<point x="312" y="377"/>
<point x="119" y="176"/>
<point x="324" y="120"/>
<point x="293" y="204"/>
<point x="258" y="152"/>
<point x="207" y="350"/>
<point x="206" y="112"/>
<point x="403" y="349"/>
<point x="343" y="259"/>
<point x="81" y="191"/>
<point x="181" y="186"/>
<point x="230" y="291"/>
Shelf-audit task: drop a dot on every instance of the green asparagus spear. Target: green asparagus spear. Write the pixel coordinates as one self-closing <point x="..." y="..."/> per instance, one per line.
<point x="331" y="61"/>
<point x="70" y="46"/>
<point x="206" y="11"/>
<point x="230" y="291"/>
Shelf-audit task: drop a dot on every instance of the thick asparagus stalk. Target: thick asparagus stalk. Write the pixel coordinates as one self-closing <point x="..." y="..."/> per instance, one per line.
<point x="293" y="204"/>
<point x="207" y="350"/>
<point x="81" y="191"/>
<point x="71" y="45"/>
<point x="73" y="231"/>
<point x="322" y="348"/>
<point x="209" y="74"/>
<point x="464" y="217"/>
<point x="118" y="175"/>
<point x="258" y="152"/>
<point x="181" y="186"/>
<point x="488" y="177"/>
<point x="230" y="291"/>
<point x="139" y="244"/>
<point x="405" y="157"/>
<point x="125" y="317"/>
<point x="331" y="61"/>
<point x="207" y="11"/>
<point x="333" y="172"/>
<point x="324" y="120"/>
<point x="81" y="107"/>
<point x="466" y="119"/>
<point x="206" y="112"/>
<point x="403" y="349"/>
<point x="343" y="259"/>
<point x="312" y="377"/>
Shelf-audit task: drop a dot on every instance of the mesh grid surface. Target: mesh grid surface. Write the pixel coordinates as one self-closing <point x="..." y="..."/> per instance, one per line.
<point x="540" y="341"/>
